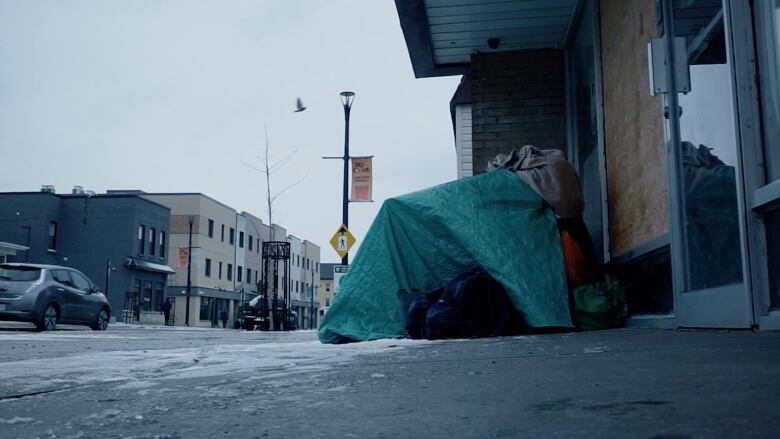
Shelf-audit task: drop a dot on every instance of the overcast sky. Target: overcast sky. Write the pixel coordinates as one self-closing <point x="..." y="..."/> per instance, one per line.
<point x="170" y="96"/>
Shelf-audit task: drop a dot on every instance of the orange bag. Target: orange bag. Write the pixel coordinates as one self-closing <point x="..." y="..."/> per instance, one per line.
<point x="578" y="270"/>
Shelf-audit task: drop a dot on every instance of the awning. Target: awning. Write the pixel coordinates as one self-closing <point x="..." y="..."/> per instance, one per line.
<point x="9" y="249"/>
<point x="441" y="35"/>
<point x="140" y="264"/>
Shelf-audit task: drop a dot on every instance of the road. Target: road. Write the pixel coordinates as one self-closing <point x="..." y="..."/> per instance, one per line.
<point x="162" y="382"/>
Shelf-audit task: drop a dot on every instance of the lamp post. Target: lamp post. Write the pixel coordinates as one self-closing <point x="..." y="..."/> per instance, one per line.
<point x="189" y="274"/>
<point x="108" y="273"/>
<point x="347" y="97"/>
<point x="311" y="306"/>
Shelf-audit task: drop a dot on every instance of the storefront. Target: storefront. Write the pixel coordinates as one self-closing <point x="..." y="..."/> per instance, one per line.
<point x="672" y="117"/>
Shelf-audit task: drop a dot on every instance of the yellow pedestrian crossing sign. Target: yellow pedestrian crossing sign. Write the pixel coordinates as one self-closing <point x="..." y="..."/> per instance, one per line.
<point x="342" y="241"/>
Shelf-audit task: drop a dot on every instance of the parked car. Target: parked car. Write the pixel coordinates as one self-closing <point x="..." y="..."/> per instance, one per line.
<point x="50" y="294"/>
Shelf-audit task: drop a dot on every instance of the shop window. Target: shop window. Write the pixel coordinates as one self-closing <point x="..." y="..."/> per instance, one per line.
<point x="767" y="20"/>
<point x="146" y="297"/>
<point x="157" y="298"/>
<point x="205" y="308"/>
<point x="708" y="151"/>
<point x="141" y="237"/>
<point x="52" y="244"/>
<point x="772" y="224"/>
<point x="162" y="244"/>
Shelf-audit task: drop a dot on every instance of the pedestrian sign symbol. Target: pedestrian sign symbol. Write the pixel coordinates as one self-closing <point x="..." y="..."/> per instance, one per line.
<point x="342" y="241"/>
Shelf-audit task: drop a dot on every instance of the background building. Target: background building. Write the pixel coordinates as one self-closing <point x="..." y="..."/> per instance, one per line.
<point x="220" y="243"/>
<point x="304" y="281"/>
<point x="134" y="246"/>
<point x="327" y="287"/>
<point x="227" y="259"/>
<point x="120" y="241"/>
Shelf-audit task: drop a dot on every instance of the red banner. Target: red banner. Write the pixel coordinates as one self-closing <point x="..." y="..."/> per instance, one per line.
<point x="361" y="179"/>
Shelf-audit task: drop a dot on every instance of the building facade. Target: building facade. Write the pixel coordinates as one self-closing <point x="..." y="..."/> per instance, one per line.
<point x="669" y="110"/>
<point x="119" y="241"/>
<point x="327" y="287"/>
<point x="304" y="281"/>
<point x="218" y="262"/>
<point x="227" y="264"/>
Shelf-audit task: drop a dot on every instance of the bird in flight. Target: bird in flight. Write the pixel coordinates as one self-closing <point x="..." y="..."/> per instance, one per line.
<point x="299" y="106"/>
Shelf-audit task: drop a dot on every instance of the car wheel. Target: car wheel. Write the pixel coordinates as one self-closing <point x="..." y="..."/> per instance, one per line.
<point x="48" y="321"/>
<point x="101" y="324"/>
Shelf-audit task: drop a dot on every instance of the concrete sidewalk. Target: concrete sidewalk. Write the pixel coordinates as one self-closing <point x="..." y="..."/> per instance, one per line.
<point x="626" y="383"/>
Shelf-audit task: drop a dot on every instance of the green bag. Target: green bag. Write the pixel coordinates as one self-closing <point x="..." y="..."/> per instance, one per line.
<point x="599" y="306"/>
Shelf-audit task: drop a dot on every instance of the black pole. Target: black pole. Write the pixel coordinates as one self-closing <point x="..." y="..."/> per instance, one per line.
<point x="345" y="203"/>
<point x="108" y="273"/>
<point x="311" y="308"/>
<point x="189" y="273"/>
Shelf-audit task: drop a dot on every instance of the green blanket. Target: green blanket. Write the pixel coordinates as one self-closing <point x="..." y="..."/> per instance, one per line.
<point x="422" y="240"/>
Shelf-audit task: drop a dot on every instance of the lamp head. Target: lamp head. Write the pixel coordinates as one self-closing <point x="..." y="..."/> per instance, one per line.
<point x="346" y="98"/>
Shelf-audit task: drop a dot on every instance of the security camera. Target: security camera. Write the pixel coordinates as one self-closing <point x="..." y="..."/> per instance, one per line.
<point x="493" y="42"/>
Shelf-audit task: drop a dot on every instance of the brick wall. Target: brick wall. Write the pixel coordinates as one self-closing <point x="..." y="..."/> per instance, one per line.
<point x="517" y="99"/>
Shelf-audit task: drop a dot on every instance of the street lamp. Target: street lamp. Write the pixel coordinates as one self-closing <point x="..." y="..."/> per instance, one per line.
<point x="347" y="97"/>
<point x="190" y="219"/>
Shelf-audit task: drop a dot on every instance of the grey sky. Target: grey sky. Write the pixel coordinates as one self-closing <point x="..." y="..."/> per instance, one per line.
<point x="169" y="96"/>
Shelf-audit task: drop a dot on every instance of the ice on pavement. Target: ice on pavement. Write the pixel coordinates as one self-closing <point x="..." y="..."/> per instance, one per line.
<point x="137" y="369"/>
<point x="15" y="420"/>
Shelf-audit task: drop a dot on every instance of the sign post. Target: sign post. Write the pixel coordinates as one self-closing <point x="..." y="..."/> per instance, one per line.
<point x="338" y="272"/>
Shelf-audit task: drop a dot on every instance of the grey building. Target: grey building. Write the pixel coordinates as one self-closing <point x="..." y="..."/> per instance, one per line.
<point x="120" y="241"/>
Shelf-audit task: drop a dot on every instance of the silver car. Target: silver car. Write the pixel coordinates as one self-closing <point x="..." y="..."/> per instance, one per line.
<point x="49" y="294"/>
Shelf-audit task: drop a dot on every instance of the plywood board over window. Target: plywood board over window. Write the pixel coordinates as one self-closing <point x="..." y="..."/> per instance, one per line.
<point x="637" y="181"/>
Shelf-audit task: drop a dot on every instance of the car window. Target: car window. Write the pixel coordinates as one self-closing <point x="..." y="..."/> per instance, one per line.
<point x="80" y="282"/>
<point x="61" y="276"/>
<point x="19" y="274"/>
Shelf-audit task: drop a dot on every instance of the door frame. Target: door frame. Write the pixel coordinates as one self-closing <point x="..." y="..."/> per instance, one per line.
<point x="729" y="306"/>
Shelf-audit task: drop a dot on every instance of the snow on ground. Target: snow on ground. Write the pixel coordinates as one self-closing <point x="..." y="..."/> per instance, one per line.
<point x="146" y="368"/>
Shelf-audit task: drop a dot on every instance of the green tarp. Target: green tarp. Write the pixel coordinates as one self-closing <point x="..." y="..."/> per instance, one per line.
<point x="422" y="240"/>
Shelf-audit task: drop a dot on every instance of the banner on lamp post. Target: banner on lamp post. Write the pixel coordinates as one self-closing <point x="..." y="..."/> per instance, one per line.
<point x="361" y="179"/>
<point x="183" y="257"/>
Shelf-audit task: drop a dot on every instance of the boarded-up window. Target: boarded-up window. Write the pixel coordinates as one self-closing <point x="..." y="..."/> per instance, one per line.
<point x="634" y="137"/>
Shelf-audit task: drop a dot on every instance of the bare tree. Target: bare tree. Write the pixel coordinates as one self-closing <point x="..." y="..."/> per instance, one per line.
<point x="268" y="167"/>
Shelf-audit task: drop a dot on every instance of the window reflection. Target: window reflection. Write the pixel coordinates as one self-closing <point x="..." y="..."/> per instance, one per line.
<point x="767" y="21"/>
<point x="709" y="149"/>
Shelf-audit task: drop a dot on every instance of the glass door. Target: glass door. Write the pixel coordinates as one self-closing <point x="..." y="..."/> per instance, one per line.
<point x="709" y="269"/>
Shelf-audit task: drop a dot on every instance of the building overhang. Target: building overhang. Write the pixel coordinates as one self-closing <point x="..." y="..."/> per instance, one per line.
<point x="10" y="249"/>
<point x="140" y="264"/>
<point x="442" y="35"/>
